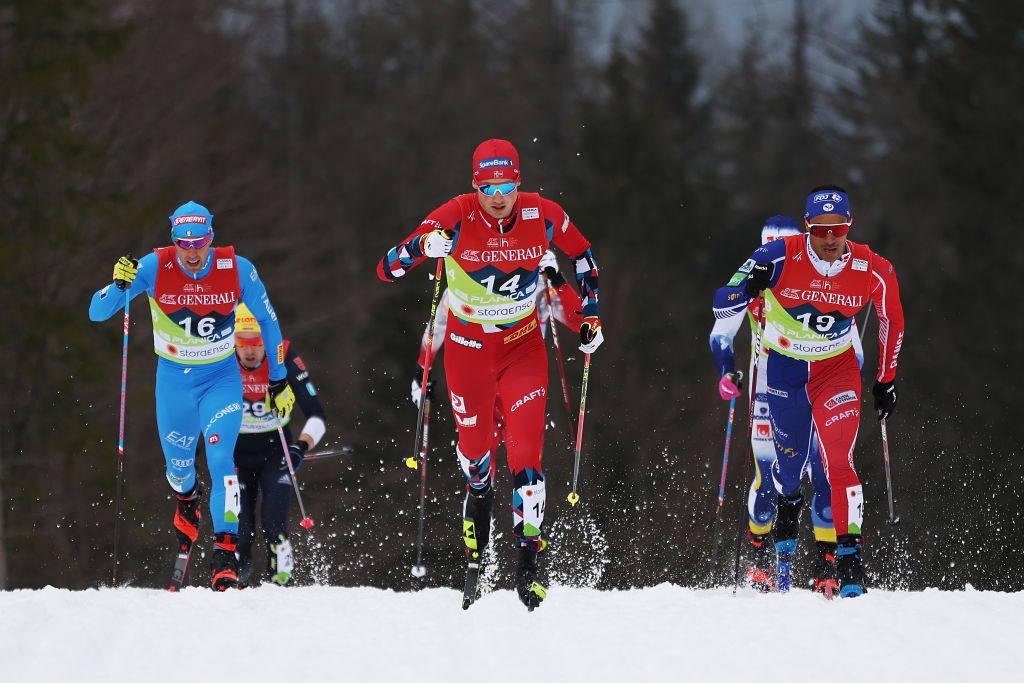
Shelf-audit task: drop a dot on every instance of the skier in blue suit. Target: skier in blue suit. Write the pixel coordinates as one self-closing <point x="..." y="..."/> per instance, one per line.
<point x="193" y="290"/>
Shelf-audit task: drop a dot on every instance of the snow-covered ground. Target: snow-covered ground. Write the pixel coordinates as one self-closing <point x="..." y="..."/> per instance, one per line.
<point x="665" y="633"/>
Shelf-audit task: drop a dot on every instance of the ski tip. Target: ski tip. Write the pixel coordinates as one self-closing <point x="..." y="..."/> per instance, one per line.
<point x="573" y="498"/>
<point x="419" y="571"/>
<point x="306" y="523"/>
<point x="411" y="463"/>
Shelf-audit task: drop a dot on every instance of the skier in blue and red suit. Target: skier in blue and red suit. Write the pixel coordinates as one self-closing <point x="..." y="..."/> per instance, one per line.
<point x="492" y="241"/>
<point x="762" y="500"/>
<point x="193" y="291"/>
<point x="813" y="285"/>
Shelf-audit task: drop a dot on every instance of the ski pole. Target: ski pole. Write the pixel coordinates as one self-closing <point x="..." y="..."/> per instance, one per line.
<point x="721" y="483"/>
<point x="575" y="497"/>
<point x="864" y="325"/>
<point x="548" y="293"/>
<point x="750" y="431"/>
<point x="411" y="461"/>
<point x="344" y="450"/>
<point x="120" y="435"/>
<point x="306" y="522"/>
<point x="893" y="519"/>
<point x="418" y="570"/>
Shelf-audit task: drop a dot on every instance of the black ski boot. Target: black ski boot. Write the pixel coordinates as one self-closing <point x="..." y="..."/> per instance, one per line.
<point x="476" y="520"/>
<point x="850" y="566"/>
<point x="825" y="569"/>
<point x="759" y="569"/>
<point x="530" y="592"/>
<point x="224" y="564"/>
<point x="476" y="532"/>
<point x="787" y="529"/>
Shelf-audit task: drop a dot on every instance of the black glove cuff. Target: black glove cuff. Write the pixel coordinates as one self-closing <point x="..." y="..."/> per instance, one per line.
<point x="300" y="446"/>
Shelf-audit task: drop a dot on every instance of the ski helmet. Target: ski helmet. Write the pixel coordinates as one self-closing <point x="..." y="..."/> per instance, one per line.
<point x="777" y="227"/>
<point x="191" y="221"/>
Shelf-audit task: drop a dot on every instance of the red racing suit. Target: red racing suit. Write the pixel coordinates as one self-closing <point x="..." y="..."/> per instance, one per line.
<point x="495" y="356"/>
<point x="813" y="374"/>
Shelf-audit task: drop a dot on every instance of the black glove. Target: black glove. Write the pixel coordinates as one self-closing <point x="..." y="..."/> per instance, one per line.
<point x="885" y="398"/>
<point x="280" y="398"/>
<point x="297" y="451"/>
<point x="415" y="390"/>
<point x="555" y="278"/>
<point x="125" y="271"/>
<point x="759" y="278"/>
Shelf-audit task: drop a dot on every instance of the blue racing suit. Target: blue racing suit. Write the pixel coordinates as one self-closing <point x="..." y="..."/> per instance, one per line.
<point x="200" y="397"/>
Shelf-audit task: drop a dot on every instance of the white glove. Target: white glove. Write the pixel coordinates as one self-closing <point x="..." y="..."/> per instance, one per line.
<point x="548" y="260"/>
<point x="437" y="244"/>
<point x="416" y="392"/>
<point x="592" y="345"/>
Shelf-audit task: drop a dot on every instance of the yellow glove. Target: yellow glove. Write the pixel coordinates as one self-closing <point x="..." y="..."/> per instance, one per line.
<point x="125" y="271"/>
<point x="280" y="398"/>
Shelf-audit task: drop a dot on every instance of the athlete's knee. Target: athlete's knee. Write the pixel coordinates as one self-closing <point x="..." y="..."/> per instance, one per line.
<point x="477" y="470"/>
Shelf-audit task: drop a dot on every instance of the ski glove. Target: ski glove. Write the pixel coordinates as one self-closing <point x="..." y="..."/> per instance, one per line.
<point x="280" y="398"/>
<point x="125" y="271"/>
<point x="297" y="451"/>
<point x="590" y="334"/>
<point x="416" y="387"/>
<point x="885" y="398"/>
<point x="758" y="279"/>
<point x="437" y="244"/>
<point x="730" y="386"/>
<point x="549" y="266"/>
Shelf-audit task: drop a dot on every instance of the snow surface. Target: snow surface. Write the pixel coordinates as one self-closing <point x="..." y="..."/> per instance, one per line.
<point x="664" y="633"/>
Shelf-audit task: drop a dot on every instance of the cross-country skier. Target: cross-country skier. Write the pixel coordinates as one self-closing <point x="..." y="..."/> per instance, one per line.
<point x="259" y="456"/>
<point x="193" y="290"/>
<point x="813" y="285"/>
<point x="763" y="502"/>
<point x="492" y="242"/>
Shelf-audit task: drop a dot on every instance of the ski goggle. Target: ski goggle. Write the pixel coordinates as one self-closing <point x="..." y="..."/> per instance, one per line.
<point x="239" y="342"/>
<point x="821" y="230"/>
<point x="504" y="188"/>
<point x="197" y="243"/>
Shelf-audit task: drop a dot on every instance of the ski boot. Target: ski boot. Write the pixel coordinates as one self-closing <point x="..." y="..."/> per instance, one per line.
<point x="186" y="527"/>
<point x="281" y="561"/>
<point x="759" y="571"/>
<point x="530" y="592"/>
<point x="787" y="528"/>
<point x="850" y="566"/>
<point x="244" y="568"/>
<point x="825" y="569"/>
<point x="224" y="564"/>
<point x="476" y="532"/>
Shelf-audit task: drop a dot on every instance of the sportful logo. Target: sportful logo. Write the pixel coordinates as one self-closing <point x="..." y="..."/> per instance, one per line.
<point x="181" y="220"/>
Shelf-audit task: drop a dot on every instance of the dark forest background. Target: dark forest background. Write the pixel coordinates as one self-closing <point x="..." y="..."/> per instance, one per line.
<point x="320" y="134"/>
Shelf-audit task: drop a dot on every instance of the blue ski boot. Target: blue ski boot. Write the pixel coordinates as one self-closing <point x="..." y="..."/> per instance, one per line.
<point x="850" y="566"/>
<point x="787" y="528"/>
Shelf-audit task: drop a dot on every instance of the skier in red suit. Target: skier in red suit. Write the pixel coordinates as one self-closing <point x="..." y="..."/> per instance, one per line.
<point x="813" y="285"/>
<point x="492" y="241"/>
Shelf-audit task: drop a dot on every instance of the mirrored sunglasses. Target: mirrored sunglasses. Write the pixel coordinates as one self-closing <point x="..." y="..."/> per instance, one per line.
<point x="821" y="230"/>
<point x="197" y="243"/>
<point x="503" y="188"/>
<point x="258" y="341"/>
